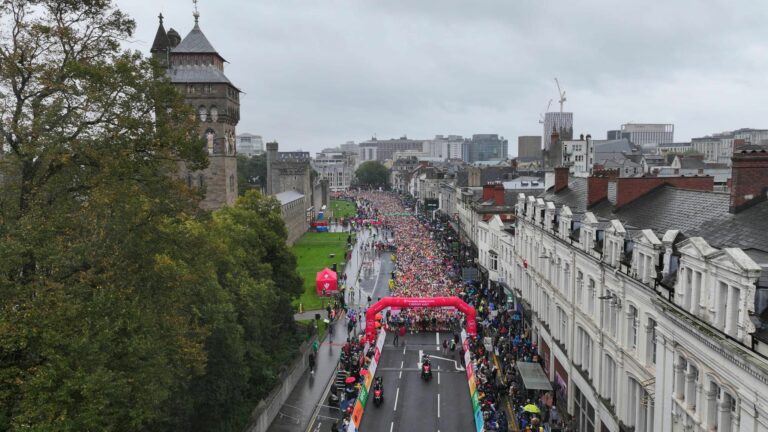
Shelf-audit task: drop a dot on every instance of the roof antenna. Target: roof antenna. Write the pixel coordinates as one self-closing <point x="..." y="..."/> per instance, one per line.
<point x="195" y="14"/>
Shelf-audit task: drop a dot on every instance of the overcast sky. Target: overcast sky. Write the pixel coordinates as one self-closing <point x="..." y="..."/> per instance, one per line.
<point x="318" y="73"/>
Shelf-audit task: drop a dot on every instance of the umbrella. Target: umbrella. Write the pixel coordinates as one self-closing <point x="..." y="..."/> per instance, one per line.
<point x="350" y="380"/>
<point x="379" y="316"/>
<point x="378" y="324"/>
<point x="326" y="321"/>
<point x="363" y="372"/>
<point x="531" y="408"/>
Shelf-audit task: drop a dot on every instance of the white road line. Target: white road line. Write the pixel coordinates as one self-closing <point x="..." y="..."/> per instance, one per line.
<point x="401" y="375"/>
<point x="402" y="363"/>
<point x="403" y="348"/>
<point x="437" y="338"/>
<point x="438" y="405"/>
<point x="397" y="394"/>
<point x="438" y="378"/>
<point x="392" y="426"/>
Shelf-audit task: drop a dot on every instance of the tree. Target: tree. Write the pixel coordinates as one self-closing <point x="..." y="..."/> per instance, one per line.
<point x="125" y="307"/>
<point x="372" y="174"/>
<point x="93" y="334"/>
<point x="251" y="172"/>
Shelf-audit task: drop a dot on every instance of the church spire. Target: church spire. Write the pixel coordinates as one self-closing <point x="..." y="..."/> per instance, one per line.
<point x="161" y="38"/>
<point x="196" y="13"/>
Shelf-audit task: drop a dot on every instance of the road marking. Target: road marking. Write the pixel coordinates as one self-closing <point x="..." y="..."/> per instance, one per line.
<point x="437" y="338"/>
<point x="438" y="376"/>
<point x="401" y="375"/>
<point x="403" y="347"/>
<point x="397" y="394"/>
<point x="402" y="363"/>
<point x="438" y="405"/>
<point x="391" y="426"/>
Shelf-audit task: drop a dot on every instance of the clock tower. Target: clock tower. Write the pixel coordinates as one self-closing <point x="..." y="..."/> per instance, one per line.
<point x="197" y="71"/>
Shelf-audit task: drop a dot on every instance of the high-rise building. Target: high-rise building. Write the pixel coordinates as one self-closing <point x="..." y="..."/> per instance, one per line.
<point x="648" y="134"/>
<point x="381" y="150"/>
<point x="560" y="122"/>
<point x="444" y="147"/>
<point x="485" y="147"/>
<point x="249" y="144"/>
<point x="528" y="148"/>
<point x="197" y="70"/>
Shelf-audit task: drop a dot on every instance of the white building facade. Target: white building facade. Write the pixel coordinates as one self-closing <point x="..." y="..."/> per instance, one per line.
<point x="628" y="353"/>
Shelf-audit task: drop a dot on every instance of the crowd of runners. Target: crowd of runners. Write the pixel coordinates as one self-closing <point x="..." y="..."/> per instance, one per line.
<point x="424" y="267"/>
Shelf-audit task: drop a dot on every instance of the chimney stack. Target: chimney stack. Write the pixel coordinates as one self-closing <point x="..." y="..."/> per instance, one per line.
<point x="561" y="178"/>
<point x="488" y="192"/>
<point x="597" y="185"/>
<point x="749" y="176"/>
<point x="498" y="194"/>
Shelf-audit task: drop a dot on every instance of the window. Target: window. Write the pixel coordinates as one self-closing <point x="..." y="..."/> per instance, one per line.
<point x="583" y="352"/>
<point x="203" y="113"/>
<point x="231" y="183"/>
<point x="494" y="261"/>
<point x="584" y="412"/>
<point x="609" y="379"/>
<point x="591" y="298"/>
<point x="562" y="326"/>
<point x="650" y="343"/>
<point x="201" y="181"/>
<point x="632" y="328"/>
<point x="579" y="300"/>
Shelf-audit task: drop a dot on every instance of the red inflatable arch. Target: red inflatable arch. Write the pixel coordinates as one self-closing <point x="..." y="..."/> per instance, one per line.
<point x="419" y="302"/>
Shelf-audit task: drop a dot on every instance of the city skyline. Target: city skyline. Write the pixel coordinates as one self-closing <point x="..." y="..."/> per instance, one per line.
<point x="316" y="76"/>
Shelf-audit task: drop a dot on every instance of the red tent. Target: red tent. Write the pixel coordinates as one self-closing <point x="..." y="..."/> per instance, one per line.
<point x="326" y="280"/>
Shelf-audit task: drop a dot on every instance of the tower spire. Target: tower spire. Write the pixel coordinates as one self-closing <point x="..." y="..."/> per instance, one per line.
<point x="161" y="18"/>
<point x="195" y="14"/>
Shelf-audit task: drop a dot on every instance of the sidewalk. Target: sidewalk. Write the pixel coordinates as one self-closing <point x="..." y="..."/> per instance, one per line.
<point x="299" y="409"/>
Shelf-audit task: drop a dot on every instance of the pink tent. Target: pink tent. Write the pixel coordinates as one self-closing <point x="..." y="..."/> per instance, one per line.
<point x="326" y="282"/>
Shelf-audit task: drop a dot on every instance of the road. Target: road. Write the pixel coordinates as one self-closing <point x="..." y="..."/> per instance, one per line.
<point x="410" y="403"/>
<point x="315" y="415"/>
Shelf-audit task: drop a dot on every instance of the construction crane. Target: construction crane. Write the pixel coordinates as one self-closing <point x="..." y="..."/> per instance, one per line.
<point x="561" y="93"/>
<point x="541" y="117"/>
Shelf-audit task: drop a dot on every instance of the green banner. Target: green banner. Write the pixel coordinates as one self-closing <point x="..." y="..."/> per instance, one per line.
<point x="363" y="396"/>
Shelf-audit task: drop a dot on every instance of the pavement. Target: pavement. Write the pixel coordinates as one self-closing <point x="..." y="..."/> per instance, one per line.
<point x="412" y="404"/>
<point x="305" y="408"/>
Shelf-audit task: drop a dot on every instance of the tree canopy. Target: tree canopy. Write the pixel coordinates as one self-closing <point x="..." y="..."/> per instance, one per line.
<point x="124" y="307"/>
<point x="372" y="174"/>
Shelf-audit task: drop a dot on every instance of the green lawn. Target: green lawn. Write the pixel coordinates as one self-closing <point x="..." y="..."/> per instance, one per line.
<point x="313" y="252"/>
<point x="342" y="209"/>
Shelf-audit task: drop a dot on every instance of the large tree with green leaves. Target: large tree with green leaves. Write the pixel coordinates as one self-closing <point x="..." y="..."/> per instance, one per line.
<point x="94" y="333"/>
<point x="124" y="306"/>
<point x="372" y="174"/>
<point x="251" y="172"/>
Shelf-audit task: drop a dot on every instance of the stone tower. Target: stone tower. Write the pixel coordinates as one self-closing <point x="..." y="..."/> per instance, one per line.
<point x="197" y="71"/>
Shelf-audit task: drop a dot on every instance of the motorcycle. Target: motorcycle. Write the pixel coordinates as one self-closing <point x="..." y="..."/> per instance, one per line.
<point x="378" y="392"/>
<point x="426" y="371"/>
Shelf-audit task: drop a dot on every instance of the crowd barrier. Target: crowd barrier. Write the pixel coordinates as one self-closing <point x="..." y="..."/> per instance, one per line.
<point x="362" y="396"/>
<point x="471" y="380"/>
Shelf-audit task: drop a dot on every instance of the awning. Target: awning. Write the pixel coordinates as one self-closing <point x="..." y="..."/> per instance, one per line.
<point x="533" y="376"/>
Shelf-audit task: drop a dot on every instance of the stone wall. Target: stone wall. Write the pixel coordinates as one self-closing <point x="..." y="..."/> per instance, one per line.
<point x="266" y="411"/>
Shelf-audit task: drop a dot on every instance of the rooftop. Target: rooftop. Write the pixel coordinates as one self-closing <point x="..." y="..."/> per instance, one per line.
<point x="288" y="197"/>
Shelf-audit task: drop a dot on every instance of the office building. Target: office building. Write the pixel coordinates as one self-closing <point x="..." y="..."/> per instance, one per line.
<point x="485" y="147"/>
<point x="249" y="144"/>
<point x="648" y="135"/>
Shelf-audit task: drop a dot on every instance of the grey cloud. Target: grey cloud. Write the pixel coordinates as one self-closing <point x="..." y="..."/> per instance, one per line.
<point x="319" y="73"/>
